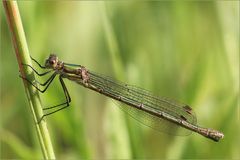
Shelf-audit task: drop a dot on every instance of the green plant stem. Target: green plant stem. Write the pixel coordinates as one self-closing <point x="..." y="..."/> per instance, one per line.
<point x="22" y="53"/>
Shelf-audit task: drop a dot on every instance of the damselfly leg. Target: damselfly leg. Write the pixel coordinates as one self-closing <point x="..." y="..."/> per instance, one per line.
<point x="38" y="63"/>
<point x="63" y="105"/>
<point x="46" y="84"/>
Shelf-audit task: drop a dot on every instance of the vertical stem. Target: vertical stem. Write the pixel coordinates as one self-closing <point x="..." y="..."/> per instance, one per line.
<point x="22" y="53"/>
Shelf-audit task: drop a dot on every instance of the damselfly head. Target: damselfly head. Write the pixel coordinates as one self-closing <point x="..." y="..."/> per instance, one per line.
<point x="52" y="61"/>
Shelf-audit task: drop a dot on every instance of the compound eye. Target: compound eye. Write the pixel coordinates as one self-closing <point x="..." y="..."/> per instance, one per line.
<point x="52" y="61"/>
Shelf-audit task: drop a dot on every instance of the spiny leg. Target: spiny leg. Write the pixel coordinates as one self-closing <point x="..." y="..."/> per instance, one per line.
<point x="38" y="63"/>
<point x="45" y="83"/>
<point x="43" y="67"/>
<point x="66" y="93"/>
<point x="66" y="104"/>
<point x="48" y="82"/>
<point x="40" y="74"/>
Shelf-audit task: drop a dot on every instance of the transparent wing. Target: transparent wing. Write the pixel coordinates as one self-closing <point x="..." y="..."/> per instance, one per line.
<point x="138" y="96"/>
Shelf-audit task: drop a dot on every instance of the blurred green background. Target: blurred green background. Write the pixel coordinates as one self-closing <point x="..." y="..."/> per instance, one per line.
<point x="187" y="51"/>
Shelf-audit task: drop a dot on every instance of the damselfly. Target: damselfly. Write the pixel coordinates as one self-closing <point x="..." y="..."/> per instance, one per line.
<point x="156" y="112"/>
